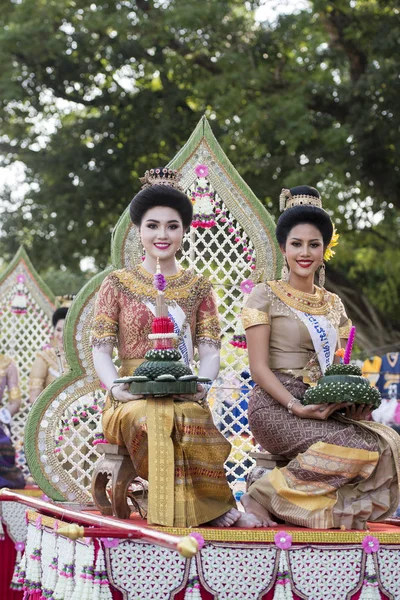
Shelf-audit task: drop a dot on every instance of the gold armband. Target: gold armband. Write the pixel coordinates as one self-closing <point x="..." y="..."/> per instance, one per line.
<point x="253" y="316"/>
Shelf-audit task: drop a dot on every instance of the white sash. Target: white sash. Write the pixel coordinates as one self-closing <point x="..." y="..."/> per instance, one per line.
<point x="323" y="336"/>
<point x="178" y="318"/>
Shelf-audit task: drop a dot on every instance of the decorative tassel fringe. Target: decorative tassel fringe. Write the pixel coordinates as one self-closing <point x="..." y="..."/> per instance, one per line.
<point x="19" y="303"/>
<point x="239" y="336"/>
<point x="203" y="207"/>
<point x="370" y="588"/>
<point x="34" y="562"/>
<point x="2" y="534"/>
<point x="25" y="568"/>
<point x="239" y="341"/>
<point x="283" y="586"/>
<point x="49" y="564"/>
<point x="65" y="583"/>
<point x="101" y="584"/>
<point x="84" y="571"/>
<point x="15" y="583"/>
<point x="193" y="586"/>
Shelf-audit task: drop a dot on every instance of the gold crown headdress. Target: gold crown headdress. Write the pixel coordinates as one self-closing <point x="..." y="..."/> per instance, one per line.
<point x="287" y="200"/>
<point x="170" y="177"/>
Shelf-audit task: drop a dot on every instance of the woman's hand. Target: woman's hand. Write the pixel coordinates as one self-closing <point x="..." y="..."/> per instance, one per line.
<point x="197" y="397"/>
<point x="121" y="393"/>
<point x="316" y="411"/>
<point x="358" y="412"/>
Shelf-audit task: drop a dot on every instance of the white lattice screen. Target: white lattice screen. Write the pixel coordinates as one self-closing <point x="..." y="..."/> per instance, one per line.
<point x="21" y="336"/>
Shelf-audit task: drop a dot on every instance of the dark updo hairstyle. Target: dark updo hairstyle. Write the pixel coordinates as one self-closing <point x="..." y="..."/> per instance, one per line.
<point x="59" y="314"/>
<point x="161" y="195"/>
<point x="304" y="213"/>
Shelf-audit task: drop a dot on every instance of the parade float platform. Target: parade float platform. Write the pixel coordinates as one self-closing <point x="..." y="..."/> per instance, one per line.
<point x="234" y="564"/>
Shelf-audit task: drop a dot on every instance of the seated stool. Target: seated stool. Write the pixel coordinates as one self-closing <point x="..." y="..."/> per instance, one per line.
<point x="115" y="464"/>
<point x="265" y="462"/>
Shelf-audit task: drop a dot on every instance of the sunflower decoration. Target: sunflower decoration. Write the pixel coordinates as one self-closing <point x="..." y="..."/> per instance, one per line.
<point x="334" y="242"/>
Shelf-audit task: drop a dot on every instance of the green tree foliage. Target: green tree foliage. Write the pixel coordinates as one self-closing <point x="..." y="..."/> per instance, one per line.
<point x="92" y="94"/>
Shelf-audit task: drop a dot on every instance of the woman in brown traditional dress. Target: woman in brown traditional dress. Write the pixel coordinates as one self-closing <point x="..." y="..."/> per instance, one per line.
<point x="173" y="442"/>
<point x="342" y="471"/>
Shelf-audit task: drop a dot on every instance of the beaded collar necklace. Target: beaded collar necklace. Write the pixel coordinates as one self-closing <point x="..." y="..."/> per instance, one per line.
<point x="315" y="304"/>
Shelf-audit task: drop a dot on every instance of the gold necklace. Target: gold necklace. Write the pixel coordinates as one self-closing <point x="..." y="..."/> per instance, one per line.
<point x="315" y="304"/>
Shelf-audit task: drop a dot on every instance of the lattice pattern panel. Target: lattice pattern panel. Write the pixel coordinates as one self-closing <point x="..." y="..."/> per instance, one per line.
<point x="21" y="336"/>
<point x="389" y="569"/>
<point x="144" y="571"/>
<point x="313" y="569"/>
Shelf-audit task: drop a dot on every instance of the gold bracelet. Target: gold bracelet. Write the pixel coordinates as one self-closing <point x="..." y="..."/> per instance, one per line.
<point x="114" y="401"/>
<point x="291" y="404"/>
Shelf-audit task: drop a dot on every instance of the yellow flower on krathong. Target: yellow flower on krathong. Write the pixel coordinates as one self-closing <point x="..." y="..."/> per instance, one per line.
<point x="334" y="242"/>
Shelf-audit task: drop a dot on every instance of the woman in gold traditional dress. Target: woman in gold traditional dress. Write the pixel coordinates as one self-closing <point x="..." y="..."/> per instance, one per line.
<point x="173" y="442"/>
<point x="342" y="471"/>
<point x="46" y="366"/>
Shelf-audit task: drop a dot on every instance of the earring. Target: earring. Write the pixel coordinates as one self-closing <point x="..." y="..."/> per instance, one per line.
<point x="285" y="270"/>
<point x="143" y="254"/>
<point x="321" y="276"/>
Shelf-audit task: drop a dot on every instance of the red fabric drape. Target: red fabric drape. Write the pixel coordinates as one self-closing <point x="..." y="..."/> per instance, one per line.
<point x="7" y="562"/>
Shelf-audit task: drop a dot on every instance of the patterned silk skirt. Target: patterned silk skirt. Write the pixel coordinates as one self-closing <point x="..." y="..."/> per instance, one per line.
<point x="177" y="448"/>
<point x="341" y="472"/>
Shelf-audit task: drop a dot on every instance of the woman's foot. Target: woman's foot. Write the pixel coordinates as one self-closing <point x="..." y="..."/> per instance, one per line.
<point x="227" y="519"/>
<point x="236" y="518"/>
<point x="253" y="508"/>
<point x="247" y="521"/>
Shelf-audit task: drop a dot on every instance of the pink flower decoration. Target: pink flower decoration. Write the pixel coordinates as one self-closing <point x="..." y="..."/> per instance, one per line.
<point x="201" y="170"/>
<point x="246" y="286"/>
<point x="21" y="278"/>
<point x="20" y="546"/>
<point x="199" y="539"/>
<point x="370" y="544"/>
<point x="283" y="540"/>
